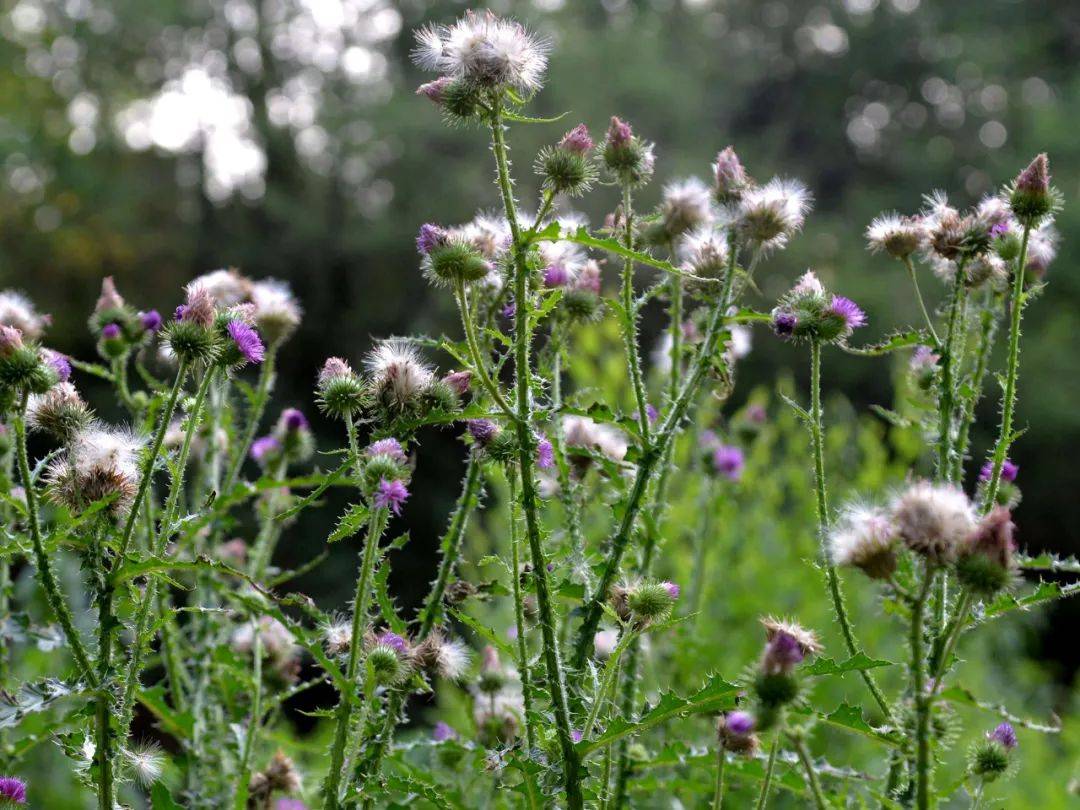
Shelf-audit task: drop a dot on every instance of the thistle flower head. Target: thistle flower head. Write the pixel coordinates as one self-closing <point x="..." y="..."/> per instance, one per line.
<point x="109" y="299"/>
<point x="391" y="495"/>
<point x="435" y="91"/>
<point x="482" y="430"/>
<point x="735" y="731"/>
<point x="644" y="603"/>
<point x="146" y="761"/>
<point x="484" y="50"/>
<point x="728" y="461"/>
<point x="279" y="776"/>
<point x="704" y="251"/>
<point x="12" y="790"/>
<point x="264" y="449"/>
<point x="1009" y="471"/>
<point x="619" y="133"/>
<point x="809" y="312"/>
<point x="768" y="216"/>
<point x="277" y="312"/>
<point x="447" y="658"/>
<point x="442" y="732"/>
<point x="17" y="311"/>
<point x="848" y="313"/>
<point x="577" y="140"/>
<point x="587" y="434"/>
<point x="1031" y="197"/>
<point x="989" y="759"/>
<point x="897" y="235"/>
<point x="545" y="454"/>
<point x="339" y="391"/>
<point x="1005" y="735"/>
<point x="933" y="520"/>
<point x="864" y="538"/>
<point x="100" y="463"/>
<point x="293" y="419"/>
<point x="246" y="342"/>
<point x="626" y="156"/>
<point x="1041" y="250"/>
<point x="398" y="375"/>
<point x="59" y="363"/>
<point x="277" y="643"/>
<point x="685" y="204"/>
<point x="790" y="639"/>
<point x="429" y="238"/>
<point x="986" y="561"/>
<point x="60" y="412"/>
<point x="151" y="321"/>
<point x="226" y="287"/>
<point x="730" y="177"/>
<point x="11" y="340"/>
<point x="201" y="306"/>
<point x="389" y="448"/>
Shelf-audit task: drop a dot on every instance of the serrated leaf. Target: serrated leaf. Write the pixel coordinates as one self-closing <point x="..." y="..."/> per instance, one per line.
<point x="894" y="342"/>
<point x="851" y="718"/>
<point x="964" y="697"/>
<point x="161" y="799"/>
<point x="350" y="523"/>
<point x="856" y="663"/>
<point x="486" y="633"/>
<point x="527" y="119"/>
<point x="715" y="695"/>
<point x="1045" y="592"/>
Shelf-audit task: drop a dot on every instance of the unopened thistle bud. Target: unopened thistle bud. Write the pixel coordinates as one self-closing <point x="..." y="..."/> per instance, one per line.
<point x="645" y="603"/>
<point x="730" y="177"/>
<point x="923" y="367"/>
<point x="865" y="538"/>
<point x="459" y="382"/>
<point x="339" y="391"/>
<point x="60" y="412"/>
<point x="986" y="562"/>
<point x="989" y="759"/>
<point x="389" y="656"/>
<point x="627" y="157"/>
<point x="190" y="336"/>
<point x="566" y="167"/>
<point x="492" y="677"/>
<point x="435" y="91"/>
<point x="22" y="365"/>
<point x="112" y="343"/>
<point x="1031" y="197"/>
<point x="735" y="732"/>
<point x="933" y="520"/>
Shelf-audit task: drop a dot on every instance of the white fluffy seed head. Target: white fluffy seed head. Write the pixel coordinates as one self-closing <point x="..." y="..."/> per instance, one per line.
<point x="17" y="311"/>
<point x="275" y="309"/>
<point x="1042" y="249"/>
<point x="227" y="287"/>
<point x="397" y="372"/>
<point x="933" y="519"/>
<point x="685" y="204"/>
<point x="703" y="251"/>
<point x="146" y="762"/>
<point x="897" y="235"/>
<point x="485" y="50"/>
<point x="865" y="538"/>
<point x="583" y="432"/>
<point x="769" y="215"/>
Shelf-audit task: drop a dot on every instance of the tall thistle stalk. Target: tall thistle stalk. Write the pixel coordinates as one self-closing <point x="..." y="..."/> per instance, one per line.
<point x="526" y="451"/>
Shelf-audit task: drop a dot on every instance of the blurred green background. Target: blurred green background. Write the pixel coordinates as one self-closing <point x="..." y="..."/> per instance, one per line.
<point x="155" y="141"/>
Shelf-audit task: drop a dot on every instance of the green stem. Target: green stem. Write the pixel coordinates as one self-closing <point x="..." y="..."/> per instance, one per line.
<point x="919" y="695"/>
<point x="376" y="524"/>
<point x="103" y="749"/>
<point x="244" y="771"/>
<point x="568" y="488"/>
<point x="946" y="642"/>
<point x="766" y="783"/>
<point x="474" y="349"/>
<point x="267" y="375"/>
<point x="270" y="530"/>
<point x="44" y="567"/>
<point x="987" y="333"/>
<point x="948" y="369"/>
<point x="718" y="788"/>
<point x="976" y="800"/>
<point x="158" y="545"/>
<point x="922" y="304"/>
<point x="675" y="310"/>
<point x="607" y="681"/>
<point x="526" y="452"/>
<point x="1008" y="396"/>
<point x="832" y="577"/>
<point x="630" y="321"/>
<point x="519" y="613"/>
<point x="811" y="775"/>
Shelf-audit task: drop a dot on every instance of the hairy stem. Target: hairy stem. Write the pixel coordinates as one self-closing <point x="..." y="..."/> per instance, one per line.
<point x="630" y="320"/>
<point x="766" y="783"/>
<point x="44" y="567"/>
<point x="1012" y="372"/>
<point x="519" y="613"/>
<point x="832" y="577"/>
<point x="921" y="699"/>
<point x="922" y="304"/>
<point x="104" y="737"/>
<point x="987" y="332"/>
<point x="475" y="352"/>
<point x="946" y="394"/>
<point x="607" y="681"/>
<point x="812" y="781"/>
<point x="526" y="453"/>
<point x="718" y="787"/>
<point x="244" y="769"/>
<point x="267" y="375"/>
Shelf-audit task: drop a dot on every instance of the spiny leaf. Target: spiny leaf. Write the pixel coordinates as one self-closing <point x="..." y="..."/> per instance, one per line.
<point x="1045" y="592"/>
<point x="963" y="697"/>
<point x="1050" y="562"/>
<point x="715" y="695"/>
<point x="349" y="523"/>
<point x="858" y="662"/>
<point x="894" y="342"/>
<point x="314" y="494"/>
<point x="527" y="119"/>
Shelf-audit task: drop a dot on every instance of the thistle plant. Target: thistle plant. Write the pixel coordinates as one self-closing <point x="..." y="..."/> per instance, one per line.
<point x="556" y="654"/>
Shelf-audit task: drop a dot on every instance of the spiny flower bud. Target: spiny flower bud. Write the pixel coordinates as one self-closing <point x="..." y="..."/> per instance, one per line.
<point x="22" y="365"/>
<point x="808" y="312"/>
<point x="645" y="603"/>
<point x="566" y="168"/>
<point x="627" y="157"/>
<point x="435" y="91"/>
<point x="923" y="366"/>
<point x="190" y="336"/>
<point x="735" y="732"/>
<point x="459" y="382"/>
<point x="986" y="561"/>
<point x="389" y="656"/>
<point x="339" y="391"/>
<point x="990" y="758"/>
<point x="933" y="520"/>
<point x="60" y="412"/>
<point x="865" y="538"/>
<point x="1031" y="197"/>
<point x="728" y="461"/>
<point x="730" y="177"/>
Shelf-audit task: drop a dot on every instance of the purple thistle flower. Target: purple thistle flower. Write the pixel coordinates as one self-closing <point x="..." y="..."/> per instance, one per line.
<point x="848" y="311"/>
<point x="756" y="414"/>
<point x="150" y="320"/>
<point x="443" y="732"/>
<point x="741" y="723"/>
<point x="264" y="447"/>
<point x="556" y="275"/>
<point x="13" y="789"/>
<point x="783" y="323"/>
<point x="619" y="133"/>
<point x="728" y="460"/>
<point x="545" y="454"/>
<point x="59" y="363"/>
<point x="110" y="331"/>
<point x="180" y="312"/>
<point x="436" y="90"/>
<point x="247" y="340"/>
<point x="459" y="381"/>
<point x="1004" y="734"/>
<point x="576" y="735"/>
<point x="294" y="420"/>
<point x="429" y="238"/>
<point x="672" y="589"/>
<point x="1009" y="471"/>
<point x="651" y="413"/>
<point x="482" y="430"/>
<point x="782" y="653"/>
<point x="391" y="495"/>
<point x="290" y="804"/>
<point x="510" y="310"/>
<point x="577" y="140"/>
<point x="999" y="229"/>
<point x="393" y="640"/>
<point x="391" y="448"/>
<point x="1036" y="177"/>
